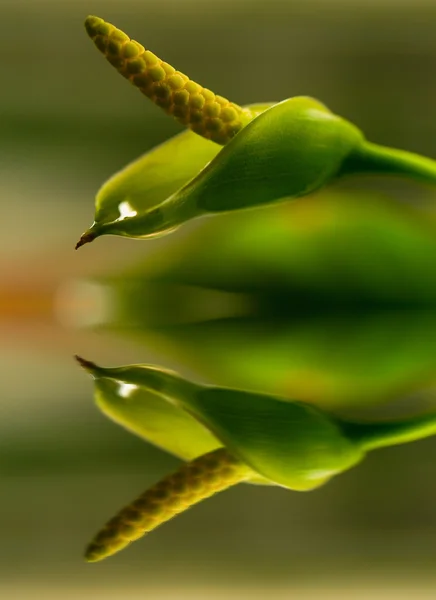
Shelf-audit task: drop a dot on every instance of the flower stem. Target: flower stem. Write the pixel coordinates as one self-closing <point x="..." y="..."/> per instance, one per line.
<point x="370" y="436"/>
<point x="373" y="158"/>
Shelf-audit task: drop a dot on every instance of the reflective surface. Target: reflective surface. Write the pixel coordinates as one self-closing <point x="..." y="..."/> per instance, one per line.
<point x="329" y="300"/>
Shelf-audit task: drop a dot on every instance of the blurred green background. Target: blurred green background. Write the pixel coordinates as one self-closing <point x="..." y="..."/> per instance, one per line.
<point x="67" y="122"/>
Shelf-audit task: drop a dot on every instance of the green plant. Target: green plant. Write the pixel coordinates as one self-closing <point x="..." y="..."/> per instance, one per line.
<point x="272" y="151"/>
<point x="229" y="436"/>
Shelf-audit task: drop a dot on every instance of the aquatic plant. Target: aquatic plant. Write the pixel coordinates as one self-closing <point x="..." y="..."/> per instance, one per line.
<point x="272" y="152"/>
<point x="227" y="436"/>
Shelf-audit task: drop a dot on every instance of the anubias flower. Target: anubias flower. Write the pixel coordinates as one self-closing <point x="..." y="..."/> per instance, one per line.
<point x="227" y="436"/>
<point x="272" y="152"/>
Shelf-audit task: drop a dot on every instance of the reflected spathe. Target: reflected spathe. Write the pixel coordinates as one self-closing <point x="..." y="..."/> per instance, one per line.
<point x="260" y="439"/>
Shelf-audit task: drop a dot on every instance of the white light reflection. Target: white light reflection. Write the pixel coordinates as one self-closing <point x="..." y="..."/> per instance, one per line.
<point x="126" y="210"/>
<point x="125" y="390"/>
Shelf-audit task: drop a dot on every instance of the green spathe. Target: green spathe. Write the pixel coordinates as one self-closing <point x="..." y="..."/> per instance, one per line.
<point x="259" y="439"/>
<point x="287" y="443"/>
<point x="290" y="150"/>
<point x="272" y="151"/>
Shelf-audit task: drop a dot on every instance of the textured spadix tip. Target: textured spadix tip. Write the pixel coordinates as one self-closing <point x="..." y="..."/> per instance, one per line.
<point x="94" y="553"/>
<point x="214" y="117"/>
<point x="92" y="25"/>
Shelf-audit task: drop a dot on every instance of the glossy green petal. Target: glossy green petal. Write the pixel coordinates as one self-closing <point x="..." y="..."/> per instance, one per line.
<point x="265" y="440"/>
<point x="149" y="415"/>
<point x="272" y="152"/>
<point x="290" y="443"/>
<point x="289" y="150"/>
<point x="123" y="394"/>
<point x="152" y="178"/>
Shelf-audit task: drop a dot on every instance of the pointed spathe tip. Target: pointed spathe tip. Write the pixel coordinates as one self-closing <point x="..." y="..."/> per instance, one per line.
<point x="86" y="238"/>
<point x="86" y="364"/>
